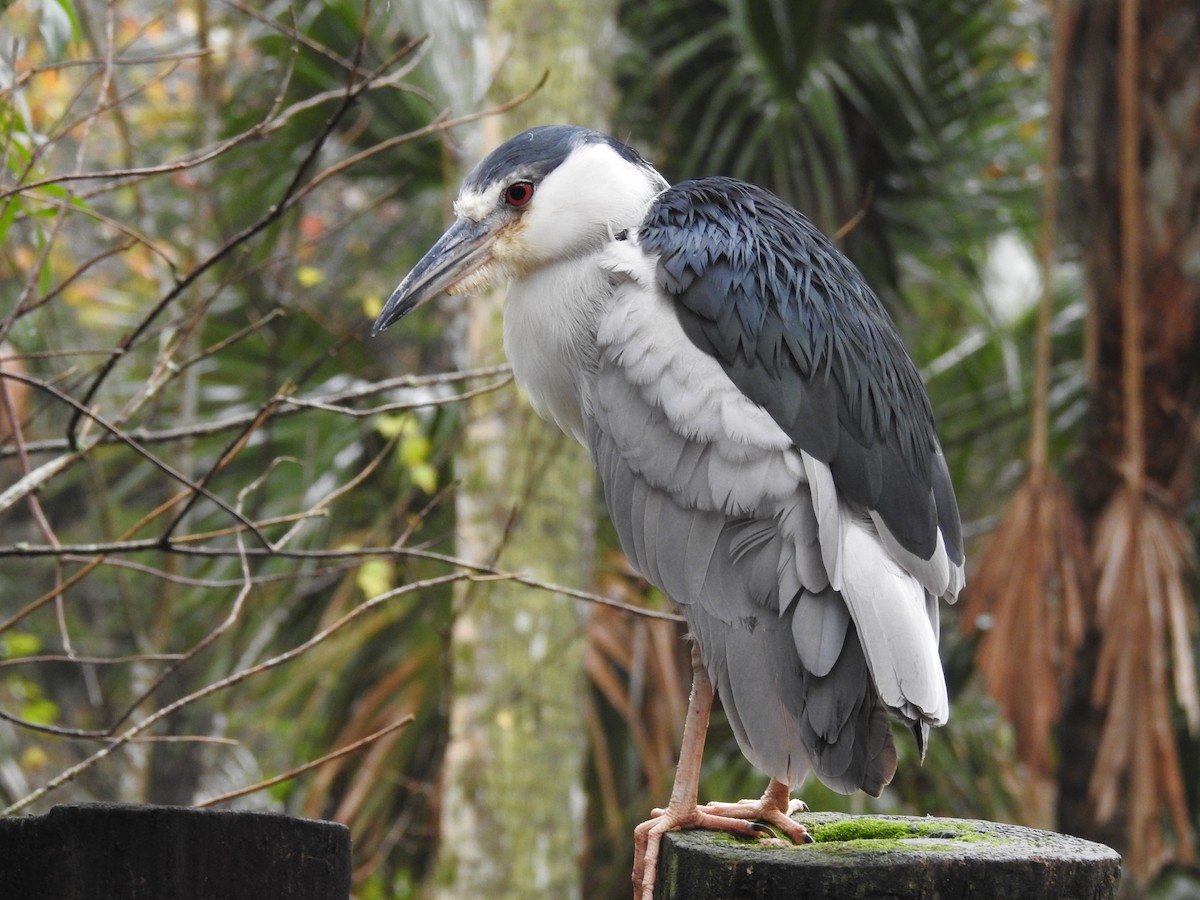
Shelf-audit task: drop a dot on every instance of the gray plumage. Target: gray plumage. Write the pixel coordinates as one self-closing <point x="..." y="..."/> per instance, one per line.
<point x="766" y="449"/>
<point x="796" y="327"/>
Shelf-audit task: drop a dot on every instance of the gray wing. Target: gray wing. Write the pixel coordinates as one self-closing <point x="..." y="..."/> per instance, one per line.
<point x="715" y="505"/>
<point x="797" y="329"/>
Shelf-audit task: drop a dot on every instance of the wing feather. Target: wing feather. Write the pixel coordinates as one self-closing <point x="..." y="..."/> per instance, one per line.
<point x="819" y="629"/>
<point x="889" y="610"/>
<point x="736" y="553"/>
<point x="796" y="328"/>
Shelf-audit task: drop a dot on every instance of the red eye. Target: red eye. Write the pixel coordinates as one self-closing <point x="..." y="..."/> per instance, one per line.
<point x="518" y="193"/>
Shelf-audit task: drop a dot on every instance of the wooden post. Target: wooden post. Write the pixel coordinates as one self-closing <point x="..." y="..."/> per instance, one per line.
<point x="117" y="852"/>
<point x="898" y="857"/>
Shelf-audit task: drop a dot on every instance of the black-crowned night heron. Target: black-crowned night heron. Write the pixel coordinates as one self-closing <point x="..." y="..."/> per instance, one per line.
<point x="766" y="447"/>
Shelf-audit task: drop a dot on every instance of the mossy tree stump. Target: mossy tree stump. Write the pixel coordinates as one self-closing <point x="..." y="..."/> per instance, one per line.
<point x="128" y="852"/>
<point x="896" y="857"/>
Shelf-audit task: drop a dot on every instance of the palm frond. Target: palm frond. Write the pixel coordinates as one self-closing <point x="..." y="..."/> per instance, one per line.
<point x="1027" y="600"/>
<point x="1142" y="554"/>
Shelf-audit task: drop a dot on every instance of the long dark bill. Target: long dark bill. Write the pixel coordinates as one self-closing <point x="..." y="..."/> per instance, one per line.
<point x="457" y="253"/>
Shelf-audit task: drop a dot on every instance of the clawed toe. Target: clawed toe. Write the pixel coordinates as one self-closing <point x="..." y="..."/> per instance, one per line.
<point x="774" y="809"/>
<point x="647" y="837"/>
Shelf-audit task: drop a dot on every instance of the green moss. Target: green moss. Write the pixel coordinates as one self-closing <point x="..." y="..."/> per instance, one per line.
<point x="732" y="840"/>
<point x="861" y="834"/>
<point x="867" y="835"/>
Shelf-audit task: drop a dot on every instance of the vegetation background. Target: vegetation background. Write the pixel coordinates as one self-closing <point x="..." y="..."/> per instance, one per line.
<point x="252" y="558"/>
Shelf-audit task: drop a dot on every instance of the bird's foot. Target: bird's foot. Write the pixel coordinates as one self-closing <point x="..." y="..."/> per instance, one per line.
<point x="647" y="838"/>
<point x="770" y="810"/>
<point x="761" y="818"/>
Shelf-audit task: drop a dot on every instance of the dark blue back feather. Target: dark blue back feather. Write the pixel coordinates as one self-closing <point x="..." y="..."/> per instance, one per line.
<point x="796" y="327"/>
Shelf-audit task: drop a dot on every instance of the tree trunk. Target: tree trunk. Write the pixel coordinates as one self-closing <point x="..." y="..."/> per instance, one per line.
<point x="1167" y="171"/>
<point x="512" y="807"/>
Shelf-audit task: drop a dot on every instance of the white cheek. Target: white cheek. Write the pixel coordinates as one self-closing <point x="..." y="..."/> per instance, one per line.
<point x="557" y="231"/>
<point x="582" y="203"/>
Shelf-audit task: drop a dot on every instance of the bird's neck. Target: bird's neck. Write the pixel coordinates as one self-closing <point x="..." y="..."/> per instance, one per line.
<point x="550" y="321"/>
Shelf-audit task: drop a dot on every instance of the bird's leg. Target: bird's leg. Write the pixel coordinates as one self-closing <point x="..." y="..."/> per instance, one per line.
<point x="682" y="811"/>
<point x="775" y="808"/>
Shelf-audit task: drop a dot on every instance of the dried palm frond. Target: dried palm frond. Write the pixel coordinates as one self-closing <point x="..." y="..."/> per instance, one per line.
<point x="1027" y="598"/>
<point x="1142" y="553"/>
<point x="1143" y="612"/>
<point x="1029" y="588"/>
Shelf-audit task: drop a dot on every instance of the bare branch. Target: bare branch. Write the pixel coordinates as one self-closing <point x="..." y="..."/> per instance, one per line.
<point x="179" y="546"/>
<point x="334" y="401"/>
<point x="88" y="660"/>
<point x="307" y="767"/>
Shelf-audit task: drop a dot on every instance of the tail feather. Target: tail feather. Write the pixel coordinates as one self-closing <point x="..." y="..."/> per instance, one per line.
<point x="898" y="628"/>
<point x="788" y="720"/>
<point x="847" y="726"/>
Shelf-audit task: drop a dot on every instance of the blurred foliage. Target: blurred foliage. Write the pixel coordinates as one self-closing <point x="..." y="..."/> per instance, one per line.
<point x="233" y="329"/>
<point x="220" y="259"/>
<point x="912" y="124"/>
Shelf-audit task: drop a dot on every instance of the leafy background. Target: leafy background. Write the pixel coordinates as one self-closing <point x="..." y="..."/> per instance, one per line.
<point x="201" y="211"/>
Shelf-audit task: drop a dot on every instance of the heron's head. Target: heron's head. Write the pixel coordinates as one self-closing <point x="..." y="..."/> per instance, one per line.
<point x="549" y="194"/>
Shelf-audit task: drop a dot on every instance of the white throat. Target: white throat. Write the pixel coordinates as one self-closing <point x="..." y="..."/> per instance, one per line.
<point x="562" y="289"/>
<point x="550" y="321"/>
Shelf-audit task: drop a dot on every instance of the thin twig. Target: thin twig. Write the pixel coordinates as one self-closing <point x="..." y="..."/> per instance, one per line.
<point x="300" y="770"/>
<point x="334" y="401"/>
<point x="180" y="547"/>
<point x="26" y="75"/>
<point x="440" y="124"/>
<point x="161" y="465"/>
<point x="81" y="660"/>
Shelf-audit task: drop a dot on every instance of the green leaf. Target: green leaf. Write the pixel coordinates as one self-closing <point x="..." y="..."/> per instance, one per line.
<point x="40" y="712"/>
<point x="424" y="476"/>
<point x="375" y="577"/>
<point x="18" y="643"/>
<point x="7" y="214"/>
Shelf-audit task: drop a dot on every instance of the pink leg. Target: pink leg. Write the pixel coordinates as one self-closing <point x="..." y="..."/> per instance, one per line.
<point x="682" y="811"/>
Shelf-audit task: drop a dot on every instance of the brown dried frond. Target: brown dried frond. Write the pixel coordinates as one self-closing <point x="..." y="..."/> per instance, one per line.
<point x="1026" y="598"/>
<point x="14" y="395"/>
<point x="1143" y="615"/>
